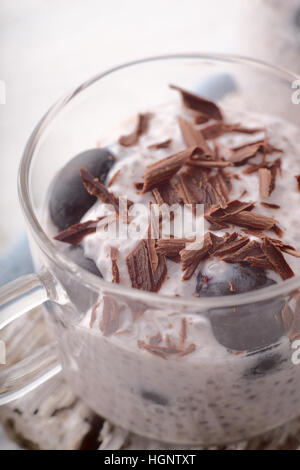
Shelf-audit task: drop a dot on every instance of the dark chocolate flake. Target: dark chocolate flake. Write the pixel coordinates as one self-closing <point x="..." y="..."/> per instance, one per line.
<point x="170" y="247"/>
<point x="155" y="339"/>
<point x="240" y="155"/>
<point x="97" y="189"/>
<point x="194" y="253"/>
<point x="160" y="145"/>
<point x="110" y="317"/>
<point x="251" y="249"/>
<point x="200" y="118"/>
<point x="231" y="247"/>
<point x="252" y="221"/>
<point x="274" y="256"/>
<point x="217" y="129"/>
<point x="166" y="194"/>
<point x="197" y="103"/>
<point x="76" y="233"/>
<point x="165" y="169"/>
<point x="141" y="128"/>
<point x="170" y="349"/>
<point x="265" y="182"/>
<point x="114" y="254"/>
<point x="141" y="268"/>
<point x="183" y="331"/>
<point x="194" y="138"/>
<point x="269" y="205"/>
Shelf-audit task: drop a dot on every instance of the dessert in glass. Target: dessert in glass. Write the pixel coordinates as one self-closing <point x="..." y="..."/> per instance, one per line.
<point x="162" y="211"/>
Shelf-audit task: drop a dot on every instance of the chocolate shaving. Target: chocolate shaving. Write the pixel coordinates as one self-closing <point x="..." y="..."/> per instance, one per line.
<point x="290" y="251"/>
<point x="114" y="178"/>
<point x="231" y="247"/>
<point x="189" y="190"/>
<point x="283" y="246"/>
<point x="194" y="138"/>
<point x="194" y="253"/>
<point x="161" y="145"/>
<point x="265" y="182"/>
<point x="165" y="169"/>
<point x="298" y="181"/>
<point x="94" y="314"/>
<point x="215" y="226"/>
<point x="233" y="207"/>
<point x="110" y="317"/>
<point x="197" y="103"/>
<point x="114" y="254"/>
<point x="251" y="249"/>
<point x="278" y="231"/>
<point x="252" y="221"/>
<point x="166" y="194"/>
<point x="183" y="331"/>
<point x="274" y="166"/>
<point x="220" y="189"/>
<point x="209" y="163"/>
<point x="156" y="339"/>
<point x="171" y="247"/>
<point x="76" y="233"/>
<point x="145" y="271"/>
<point x="240" y="155"/>
<point x="274" y="256"/>
<point x="189" y="350"/>
<point x="141" y="128"/>
<point x="138" y="186"/>
<point x="153" y="256"/>
<point x="224" y="179"/>
<point x="250" y="253"/>
<point x="259" y="262"/>
<point x="217" y="129"/>
<point x="168" y="350"/>
<point x="201" y="118"/>
<point x="238" y="213"/>
<point x="195" y="187"/>
<point x="269" y="205"/>
<point x="97" y="189"/>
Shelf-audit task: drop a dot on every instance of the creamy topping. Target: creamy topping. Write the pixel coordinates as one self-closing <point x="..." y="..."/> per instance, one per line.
<point x="163" y="126"/>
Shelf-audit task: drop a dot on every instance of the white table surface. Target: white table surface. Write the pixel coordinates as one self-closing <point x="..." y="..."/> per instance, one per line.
<point x="49" y="46"/>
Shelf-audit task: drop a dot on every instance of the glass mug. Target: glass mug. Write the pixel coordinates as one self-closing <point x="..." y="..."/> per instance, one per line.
<point x="219" y="393"/>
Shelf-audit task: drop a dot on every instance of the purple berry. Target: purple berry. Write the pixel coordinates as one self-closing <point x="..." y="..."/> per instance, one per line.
<point x="69" y="200"/>
<point x="246" y="328"/>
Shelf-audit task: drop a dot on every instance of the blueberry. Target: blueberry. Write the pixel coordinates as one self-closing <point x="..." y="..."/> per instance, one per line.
<point x="76" y="253"/>
<point x="243" y="278"/>
<point x="266" y="364"/>
<point x="69" y="200"/>
<point x="248" y="327"/>
<point x="155" y="398"/>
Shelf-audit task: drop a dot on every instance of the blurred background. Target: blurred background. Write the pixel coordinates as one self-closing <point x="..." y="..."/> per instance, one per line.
<point x="48" y="47"/>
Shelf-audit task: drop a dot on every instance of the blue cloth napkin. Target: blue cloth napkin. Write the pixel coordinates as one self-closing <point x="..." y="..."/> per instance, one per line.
<point x="18" y="262"/>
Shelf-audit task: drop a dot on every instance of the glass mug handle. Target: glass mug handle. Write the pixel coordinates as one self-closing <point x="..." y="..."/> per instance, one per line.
<point x="16" y="299"/>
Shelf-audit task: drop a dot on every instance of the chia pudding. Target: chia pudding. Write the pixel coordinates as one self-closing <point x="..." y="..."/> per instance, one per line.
<point x="201" y="377"/>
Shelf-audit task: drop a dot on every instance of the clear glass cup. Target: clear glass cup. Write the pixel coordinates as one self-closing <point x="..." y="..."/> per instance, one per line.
<point x="214" y="395"/>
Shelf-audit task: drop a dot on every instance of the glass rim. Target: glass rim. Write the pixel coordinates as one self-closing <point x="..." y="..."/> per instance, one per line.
<point x="93" y="281"/>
